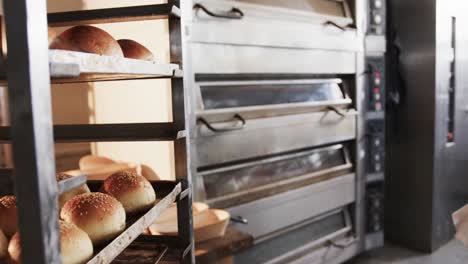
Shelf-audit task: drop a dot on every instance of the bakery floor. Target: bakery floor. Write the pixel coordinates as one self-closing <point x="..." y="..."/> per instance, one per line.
<point x="452" y="253"/>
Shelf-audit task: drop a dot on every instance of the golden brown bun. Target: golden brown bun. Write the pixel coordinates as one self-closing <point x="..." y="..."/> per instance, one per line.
<point x="75" y="245"/>
<point x="93" y="162"/>
<point x="100" y="215"/>
<point x="132" y="190"/>
<point x="14" y="249"/>
<point x="3" y="246"/>
<point x="87" y="39"/>
<point x="52" y="34"/>
<point x="64" y="197"/>
<point x="8" y="215"/>
<point x="134" y="50"/>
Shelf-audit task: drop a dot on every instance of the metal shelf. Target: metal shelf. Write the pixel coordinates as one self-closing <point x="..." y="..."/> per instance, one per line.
<point x="7" y="182"/>
<point x="109" y="132"/>
<point x="78" y="67"/>
<point x="71" y="66"/>
<point x="33" y="139"/>
<point x="111" y="15"/>
<point x="151" y="252"/>
<point x="71" y="183"/>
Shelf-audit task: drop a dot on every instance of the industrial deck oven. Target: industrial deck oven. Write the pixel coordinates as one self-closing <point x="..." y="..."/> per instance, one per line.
<point x="280" y="97"/>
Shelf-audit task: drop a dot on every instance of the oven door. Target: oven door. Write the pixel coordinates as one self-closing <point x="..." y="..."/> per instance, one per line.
<point x="287" y="189"/>
<point x="276" y="23"/>
<point x="230" y="186"/>
<point x="241" y="120"/>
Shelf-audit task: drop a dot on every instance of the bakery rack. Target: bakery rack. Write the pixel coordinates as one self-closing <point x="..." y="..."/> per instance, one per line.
<point x="32" y="133"/>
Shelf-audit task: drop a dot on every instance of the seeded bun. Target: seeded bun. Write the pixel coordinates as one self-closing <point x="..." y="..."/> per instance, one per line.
<point x="134" y="191"/>
<point x="64" y="197"/>
<point x="8" y="215"/>
<point x="87" y="39"/>
<point x="75" y="245"/>
<point x="100" y="215"/>
<point x="134" y="50"/>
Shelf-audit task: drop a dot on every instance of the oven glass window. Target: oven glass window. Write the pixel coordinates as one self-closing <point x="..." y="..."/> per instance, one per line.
<point x="245" y="95"/>
<point x="272" y="170"/>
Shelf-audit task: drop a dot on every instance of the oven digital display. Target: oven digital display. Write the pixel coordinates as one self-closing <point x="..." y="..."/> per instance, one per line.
<point x="245" y="95"/>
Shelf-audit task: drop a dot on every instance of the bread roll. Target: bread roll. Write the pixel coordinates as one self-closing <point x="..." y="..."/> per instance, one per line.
<point x="87" y="39"/>
<point x="64" y="197"/>
<point x="8" y="215"/>
<point x="134" y="50"/>
<point x="100" y="215"/>
<point x="3" y="246"/>
<point x="132" y="190"/>
<point x="75" y="245"/>
<point x="14" y="249"/>
<point x="51" y="34"/>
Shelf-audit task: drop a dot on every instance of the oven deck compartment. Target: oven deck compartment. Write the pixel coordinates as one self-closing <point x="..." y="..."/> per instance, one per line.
<point x="272" y="135"/>
<point x="271" y="214"/>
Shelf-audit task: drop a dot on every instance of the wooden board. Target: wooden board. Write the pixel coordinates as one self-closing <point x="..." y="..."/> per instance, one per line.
<point x="119" y="244"/>
<point x="211" y="251"/>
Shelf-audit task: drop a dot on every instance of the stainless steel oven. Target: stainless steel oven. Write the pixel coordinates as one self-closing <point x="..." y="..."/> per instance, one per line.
<point x="276" y="119"/>
<point x="256" y="118"/>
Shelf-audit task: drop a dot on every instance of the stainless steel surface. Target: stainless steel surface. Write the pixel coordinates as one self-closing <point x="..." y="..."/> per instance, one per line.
<point x="374" y="240"/>
<point x="225" y="59"/>
<point x="376" y="43"/>
<point x="266" y="136"/>
<point x="244" y="182"/>
<point x="180" y="113"/>
<point x="31" y="125"/>
<point x="271" y="10"/>
<point x="268" y="214"/>
<point x="427" y="175"/>
<point x="311" y="235"/>
<point x="220" y="101"/>
<point x="264" y="43"/>
<point x="242" y="33"/>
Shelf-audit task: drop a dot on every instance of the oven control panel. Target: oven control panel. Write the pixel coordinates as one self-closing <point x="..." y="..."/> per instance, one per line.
<point x="377" y="17"/>
<point x="376" y="146"/>
<point x="375" y="208"/>
<point x="376" y="114"/>
<point x="376" y="69"/>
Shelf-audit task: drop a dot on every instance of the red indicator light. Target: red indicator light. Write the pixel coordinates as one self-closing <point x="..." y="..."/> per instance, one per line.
<point x="450" y="136"/>
<point x="377" y="74"/>
<point x="378" y="106"/>
<point x="376" y="90"/>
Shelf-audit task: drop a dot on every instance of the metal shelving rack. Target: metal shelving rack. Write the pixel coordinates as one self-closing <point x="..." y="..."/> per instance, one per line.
<point x="32" y="133"/>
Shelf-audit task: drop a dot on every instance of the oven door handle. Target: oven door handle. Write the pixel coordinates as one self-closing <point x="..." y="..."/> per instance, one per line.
<point x="239" y="219"/>
<point x="331" y="23"/>
<point x="336" y="110"/>
<point x="234" y="13"/>
<point x="224" y="129"/>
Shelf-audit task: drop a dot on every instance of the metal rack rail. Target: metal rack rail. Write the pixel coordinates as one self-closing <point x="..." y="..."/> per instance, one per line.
<point x="32" y="133"/>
